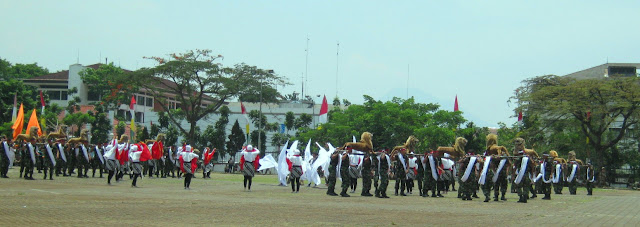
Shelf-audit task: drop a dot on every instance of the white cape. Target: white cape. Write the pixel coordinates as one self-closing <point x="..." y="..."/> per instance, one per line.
<point x="283" y="168"/>
<point x="267" y="162"/>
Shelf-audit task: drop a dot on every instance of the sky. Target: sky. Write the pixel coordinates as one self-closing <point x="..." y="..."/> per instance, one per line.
<point x="429" y="50"/>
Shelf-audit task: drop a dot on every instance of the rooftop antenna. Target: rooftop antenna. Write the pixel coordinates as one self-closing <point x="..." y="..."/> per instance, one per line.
<point x="306" y="66"/>
<point x="78" y="57"/>
<point x="302" y="78"/>
<point x="337" y="63"/>
<point x="407" y="81"/>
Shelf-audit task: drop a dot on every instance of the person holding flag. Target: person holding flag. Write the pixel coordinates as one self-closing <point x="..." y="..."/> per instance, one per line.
<point x="110" y="159"/>
<point x="249" y="162"/>
<point x="208" y="166"/>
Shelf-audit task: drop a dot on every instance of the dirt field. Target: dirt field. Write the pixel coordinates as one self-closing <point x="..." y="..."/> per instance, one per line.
<point x="70" y="201"/>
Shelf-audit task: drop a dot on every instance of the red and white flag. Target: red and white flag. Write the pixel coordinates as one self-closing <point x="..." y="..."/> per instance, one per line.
<point x="41" y="103"/>
<point x="455" y="105"/>
<point x="246" y="117"/>
<point x="133" y="116"/>
<point x="520" y="117"/>
<point x="324" y="109"/>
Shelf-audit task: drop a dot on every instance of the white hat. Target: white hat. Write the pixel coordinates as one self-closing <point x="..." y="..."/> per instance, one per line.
<point x="446" y="155"/>
<point x="133" y="148"/>
<point x="188" y="148"/>
<point x="296" y="152"/>
<point x="249" y="147"/>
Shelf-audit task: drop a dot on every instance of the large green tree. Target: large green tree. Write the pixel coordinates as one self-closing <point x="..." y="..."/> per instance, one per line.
<point x="391" y="123"/>
<point x="200" y="85"/>
<point x="113" y="85"/>
<point x="601" y="110"/>
<point x="101" y="126"/>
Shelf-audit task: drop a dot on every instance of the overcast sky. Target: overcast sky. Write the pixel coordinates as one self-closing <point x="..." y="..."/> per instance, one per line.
<point x="478" y="50"/>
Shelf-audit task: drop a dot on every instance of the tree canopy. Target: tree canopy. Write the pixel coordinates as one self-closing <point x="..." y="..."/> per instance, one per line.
<point x="199" y="85"/>
<point x="391" y="123"/>
<point x="598" y="112"/>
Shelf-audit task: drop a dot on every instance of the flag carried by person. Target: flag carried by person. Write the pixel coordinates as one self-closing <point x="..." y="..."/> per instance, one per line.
<point x="15" y="107"/>
<point x="18" y="124"/>
<point x="33" y="122"/>
<point x="133" y="116"/>
<point x="42" y="120"/>
<point x="244" y="114"/>
<point x="324" y="109"/>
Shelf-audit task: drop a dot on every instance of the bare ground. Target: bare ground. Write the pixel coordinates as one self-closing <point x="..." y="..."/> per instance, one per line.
<point x="71" y="201"/>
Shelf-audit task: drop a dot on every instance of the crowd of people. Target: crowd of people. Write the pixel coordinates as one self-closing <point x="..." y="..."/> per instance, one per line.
<point x="435" y="172"/>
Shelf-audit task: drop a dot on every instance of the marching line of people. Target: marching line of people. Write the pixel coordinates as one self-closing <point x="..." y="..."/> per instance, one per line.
<point x="435" y="172"/>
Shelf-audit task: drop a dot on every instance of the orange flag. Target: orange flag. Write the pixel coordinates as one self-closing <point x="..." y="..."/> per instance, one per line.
<point x="19" y="123"/>
<point x="33" y="122"/>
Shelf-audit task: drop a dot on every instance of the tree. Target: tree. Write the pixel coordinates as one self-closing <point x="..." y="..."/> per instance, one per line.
<point x="101" y="126"/>
<point x="236" y="139"/>
<point x="111" y="83"/>
<point x="336" y="101"/>
<point x="21" y="71"/>
<point x="120" y="128"/>
<point x="74" y="117"/>
<point x="153" y="132"/>
<point x="200" y="85"/>
<point x="603" y="110"/>
<point x="303" y="121"/>
<point x="289" y="119"/>
<point x="263" y="140"/>
<point x="220" y="131"/>
<point x="172" y="136"/>
<point x="142" y="133"/>
<point x="391" y="123"/>
<point x="11" y="86"/>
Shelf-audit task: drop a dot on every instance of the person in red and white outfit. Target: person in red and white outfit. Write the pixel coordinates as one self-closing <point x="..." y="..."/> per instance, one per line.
<point x="295" y="167"/>
<point x="207" y="155"/>
<point x="189" y="163"/>
<point x="249" y="162"/>
<point x="412" y="172"/>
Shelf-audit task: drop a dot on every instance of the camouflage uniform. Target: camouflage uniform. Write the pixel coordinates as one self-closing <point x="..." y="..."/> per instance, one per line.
<point x="376" y="173"/>
<point x="467" y="187"/>
<point x="96" y="163"/>
<point x="366" y="176"/>
<point x="488" y="184"/>
<point x="47" y="164"/>
<point x="500" y="186"/>
<point x="546" y="187"/>
<point x="71" y="159"/>
<point x="525" y="184"/>
<point x="573" y="184"/>
<point x="428" y="181"/>
<point x="401" y="174"/>
<point x="82" y="162"/>
<point x="4" y="160"/>
<point x="332" y="175"/>
<point x="344" y="174"/>
<point x="61" y="164"/>
<point x="384" y="176"/>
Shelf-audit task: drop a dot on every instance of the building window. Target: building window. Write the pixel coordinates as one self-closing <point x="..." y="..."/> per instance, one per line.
<point x="57" y="95"/>
<point x="149" y="102"/>
<point x="139" y="117"/>
<point x="622" y="71"/>
<point x="126" y="115"/>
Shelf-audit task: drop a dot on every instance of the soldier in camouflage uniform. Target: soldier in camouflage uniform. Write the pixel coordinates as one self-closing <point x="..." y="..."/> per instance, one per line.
<point x="467" y="186"/>
<point x="487" y="185"/>
<point x="344" y="174"/>
<point x="71" y="159"/>
<point x="96" y="161"/>
<point x="81" y="160"/>
<point x="48" y="161"/>
<point x="376" y="173"/>
<point x="545" y="180"/>
<point x="524" y="185"/>
<point x="383" y="166"/>
<point x="4" y="159"/>
<point x="366" y="176"/>
<point x="500" y="185"/>
<point x="402" y="160"/>
<point x="573" y="184"/>
<point x="331" y="182"/>
<point x="28" y="160"/>
<point x="429" y="181"/>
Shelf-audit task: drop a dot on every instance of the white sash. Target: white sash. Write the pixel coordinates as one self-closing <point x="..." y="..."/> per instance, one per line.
<point x="99" y="155"/>
<point x="170" y="155"/>
<point x="470" y="166"/>
<point x="485" y="169"/>
<point x="574" y="169"/>
<point x="432" y="163"/>
<point x="593" y="178"/>
<point x="33" y="154"/>
<point x="542" y="171"/>
<point x="7" y="151"/>
<point x="379" y="173"/>
<point x="61" y="150"/>
<point x="402" y="160"/>
<point x="84" y="152"/>
<point x="53" y="159"/>
<point x="500" y="166"/>
<point x="556" y="176"/>
<point x="522" y="170"/>
<point x="338" y="166"/>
